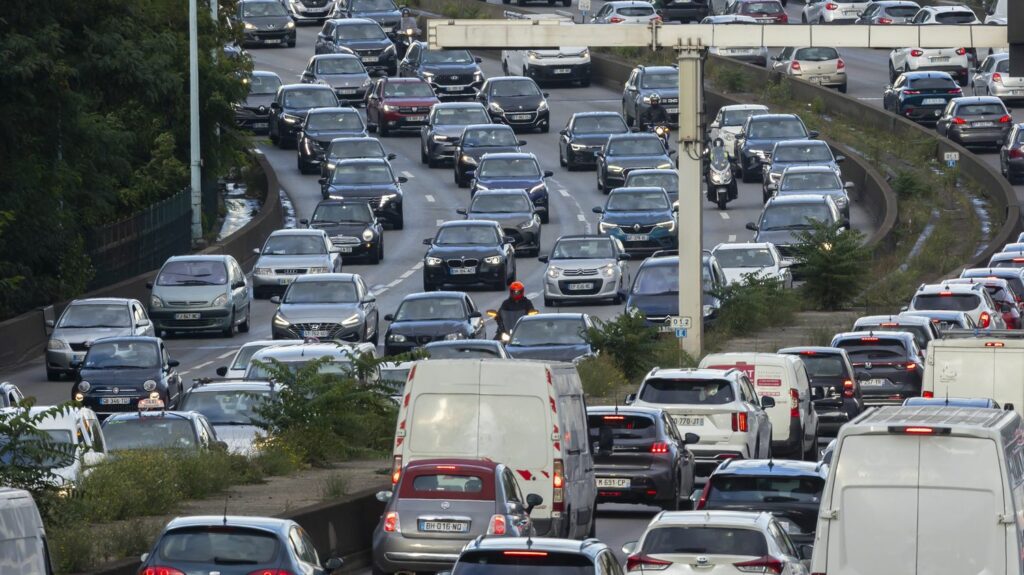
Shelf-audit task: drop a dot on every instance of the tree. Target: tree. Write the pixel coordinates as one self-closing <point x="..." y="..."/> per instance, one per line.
<point x="28" y="455"/>
<point x="834" y="264"/>
<point x="630" y="342"/>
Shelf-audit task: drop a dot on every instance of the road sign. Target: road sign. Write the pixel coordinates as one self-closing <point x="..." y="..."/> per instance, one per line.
<point x="681" y="333"/>
<point x="584" y="5"/>
<point x="677" y="322"/>
<point x="951" y="158"/>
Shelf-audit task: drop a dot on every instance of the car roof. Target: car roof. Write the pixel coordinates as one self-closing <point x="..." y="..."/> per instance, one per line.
<point x="297" y="232"/>
<point x="557" y="316"/>
<point x="338" y="56"/>
<point x="584" y="237"/>
<point x="637" y="190"/>
<point x="460" y="223"/>
<point x="744" y="107"/>
<point x="798" y="199"/>
<point x="902" y="335"/>
<point x="809" y="169"/>
<point x="587" y="547"/>
<point x="101" y="301"/>
<point x="742" y="246"/>
<point x="592" y="113"/>
<point x="501" y="192"/>
<point x="504" y="127"/>
<point x="265" y="74"/>
<point x="274" y="524"/>
<point x="444" y="105"/>
<point x="654" y="171"/>
<point x="634" y="136"/>
<point x="997" y="272"/>
<point x="304" y="350"/>
<point x="724" y="518"/>
<point x="816" y="349"/>
<point x="1001" y="256"/>
<point x="976" y="100"/>
<point x="198" y="258"/>
<point x="801" y="142"/>
<point x="934" y="313"/>
<point x="479" y="343"/>
<point x="950" y="8"/>
<point x="435" y="294"/>
<point x="356" y="139"/>
<point x="353" y="21"/>
<point x="137" y="415"/>
<point x="927" y="74"/>
<point x="656" y="69"/>
<point x="234" y="385"/>
<point x="509" y="156"/>
<point x="623" y="409"/>
<point x="334" y="110"/>
<point x="129" y="338"/>
<point x="769" y="117"/>
<point x="778" y="467"/>
<point x="300" y="87"/>
<point x="980" y="402"/>
<point x="945" y="286"/>
<point x="63" y="419"/>
<point x="397" y="80"/>
<point x="877" y="319"/>
<point x="485" y="464"/>
<point x="1001" y="282"/>
<point x="340" y="277"/>
<point x="691" y="373"/>
<point x="351" y="161"/>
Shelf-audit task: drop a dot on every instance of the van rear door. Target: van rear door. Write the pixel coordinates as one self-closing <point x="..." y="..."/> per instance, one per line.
<point x="965" y="371"/>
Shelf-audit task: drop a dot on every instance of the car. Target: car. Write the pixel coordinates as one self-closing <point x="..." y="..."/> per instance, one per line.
<point x="86" y="320"/>
<point x="550" y="337"/>
<point x="1015" y="276"/>
<point x="290" y="253"/>
<point x="945" y="320"/>
<point x="232" y="408"/>
<point x="996" y="12"/>
<point x="443" y="132"/>
<point x="966" y="402"/>
<point x="835" y="391"/>
<point x="334" y="357"/>
<point x="265" y="23"/>
<point x="1011" y="260"/>
<point x="71" y="441"/>
<point x="626" y="12"/>
<point x="756" y="55"/>
<point x="888" y="365"/>
<point x="644" y="82"/>
<point x="466" y="349"/>
<point x="240" y="361"/>
<point x="253" y="113"/>
<point x="720" y="406"/>
<point x="425" y="317"/>
<point x="584" y="135"/>
<point x="992" y="78"/>
<point x="682" y="11"/>
<point x="453" y="74"/>
<point x="627" y="152"/>
<point x="923" y="329"/>
<point x="352" y="226"/>
<point x="947" y="14"/>
<point x="563" y="64"/>
<point x="513" y="210"/>
<point x="184" y="285"/>
<point x="337" y="307"/>
<point x="319" y="128"/>
<point x="954" y="61"/>
<point x="784" y="217"/>
<point x="10" y="395"/>
<point x="829" y="12"/>
<point x="466" y="499"/>
<point x="185" y="430"/>
<point x="642" y="219"/>
<point x="371" y="180"/>
<point x="972" y="299"/>
<point x="352" y="149"/>
<point x="920" y="96"/>
<point x="342" y="72"/>
<point x="510" y="556"/>
<point x="118" y="372"/>
<point x="476" y="141"/>
<point x="513" y="170"/>
<point x="802" y="180"/>
<point x="1013" y="247"/>
<point x="884" y="12"/>
<point x="515" y="101"/>
<point x="764" y="11"/>
<point x="25" y="531"/>
<point x="788" y="153"/>
<point x="362" y="37"/>
<point x="655" y="290"/>
<point x="383" y="12"/>
<point x="392" y="378"/>
<point x="468" y="252"/>
<point x="758" y="137"/>
<point x="200" y="544"/>
<point x="664" y="178"/>
<point x="585" y="268"/>
<point x="397" y="104"/>
<point x="728" y="124"/>
<point x="1006" y="300"/>
<point x="975" y="121"/>
<point x="309" y="10"/>
<point x="760" y="260"/>
<point x="640" y="457"/>
<point x="820" y="65"/>
<point x="290" y="106"/>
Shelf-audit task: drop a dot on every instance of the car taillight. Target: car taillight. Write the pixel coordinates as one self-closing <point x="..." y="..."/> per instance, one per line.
<point x="645" y="563"/>
<point x="1016" y="153"/>
<point x="959" y="121"/>
<point x="984" y="320"/>
<point x="659" y="447"/>
<point x="911" y="92"/>
<point x="739" y="421"/>
<point x="927" y="394"/>
<point x="884" y="21"/>
<point x="656" y="19"/>
<point x="911" y="366"/>
<point x="396" y="470"/>
<point x="848" y="388"/>
<point x="997" y="77"/>
<point x="840" y="65"/>
<point x="1006" y="119"/>
<point x="391" y="522"/>
<point x="616" y="20"/>
<point x="704" y="495"/>
<point x="764" y="564"/>
<point x="960" y="51"/>
<point x="270" y="572"/>
<point x="158" y="570"/>
<point x="956" y="91"/>
<point x="557" y="482"/>
<point x="917" y="53"/>
<point x="831" y="6"/>
<point x="794" y="403"/>
<point x="794" y="66"/>
<point x="496" y="525"/>
<point x="783" y="18"/>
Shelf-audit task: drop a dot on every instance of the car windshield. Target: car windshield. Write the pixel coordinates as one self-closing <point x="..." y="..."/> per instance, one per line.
<point x="636" y="201"/>
<point x="149" y="432"/>
<point x="738" y="117"/>
<point x="123" y="355"/>
<point x="548" y="332"/>
<point x="666" y="181"/>
<point x="701" y="540"/>
<point x="426" y="309"/>
<point x="408" y="90"/>
<point x="95" y="315"/>
<point x="513" y="88"/>
<point x="258" y="371"/>
<point x="335" y="121"/>
<point x="343" y="65"/>
<point x="688" y="391"/>
<point x="45" y="449"/>
<point x="459" y="351"/>
<point x="501" y="204"/>
<point x="294" y="245"/>
<point x="360" y="32"/>
<point x="373" y="6"/>
<point x="947" y="301"/>
<point x="325" y="292"/>
<point x="226" y="407"/>
<point x="746" y="489"/>
<point x="490" y="137"/>
<point x="802" y="153"/>
<point x="622" y="426"/>
<point x="260" y="9"/>
<point x="956" y="18"/>
<point x="877" y="350"/>
<point x="393" y="379"/>
<point x="657" y="280"/>
<point x="245" y="354"/>
<point x="583" y="250"/>
<point x="794" y="216"/>
<point x="447" y="57"/>
<point x="193" y="273"/>
<point x="789" y="129"/>
<point x="744" y="257"/>
<point x="263" y="85"/>
<point x="816" y="54"/>
<point x="636" y="147"/>
<point x="760" y="8"/>
<point x="824" y="365"/>
<point x="932" y="84"/>
<point x="216" y="545"/>
<point x="980" y="109"/>
<point x="466" y="235"/>
<point x="460" y="116"/>
<point x="604" y="124"/>
<point x="655" y="80"/>
<point x="798" y="181"/>
<point x="303" y="99"/>
<point x="509" y="168"/>
<point x="542" y="563"/>
<point x="354" y="213"/>
<point x="355" y="148"/>
<point x="362" y="174"/>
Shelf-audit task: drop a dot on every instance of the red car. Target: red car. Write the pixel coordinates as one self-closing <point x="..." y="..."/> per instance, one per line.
<point x="396" y="104"/>
<point x="764" y="11"/>
<point x="1002" y="294"/>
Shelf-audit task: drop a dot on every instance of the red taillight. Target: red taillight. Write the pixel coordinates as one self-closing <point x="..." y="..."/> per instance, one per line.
<point x="557" y="482"/>
<point x="997" y="77"/>
<point x="848" y="388"/>
<point x="869" y="339"/>
<point x="616" y="20"/>
<point x="270" y="572"/>
<point x="884" y="21"/>
<point x="956" y="91"/>
<point x="889" y="324"/>
<point x="840" y="64"/>
<point x="927" y="394"/>
<point x="918" y="430"/>
<point x="794" y="403"/>
<point x="158" y="570"/>
<point x="739" y="421"/>
<point x="704" y="495"/>
<point x="959" y="121"/>
<point x="911" y="366"/>
<point x="794" y="66"/>
<point x="391" y="522"/>
<point x="808" y="353"/>
<point x="764" y="564"/>
<point x="1006" y="119"/>
<point x="645" y="563"/>
<point x="659" y="447"/>
<point x="656" y="19"/>
<point x="396" y="470"/>
<point x="994" y="344"/>
<point x="1018" y="260"/>
<point x="497" y="525"/>
<point x="945" y="293"/>
<point x="984" y="320"/>
<point x="917" y="53"/>
<point x="831" y="6"/>
<point x="614" y="417"/>
<point x="1016" y="153"/>
<point x="525" y="553"/>
<point x="911" y="92"/>
<point x="960" y="51"/>
<point x="783" y="18"/>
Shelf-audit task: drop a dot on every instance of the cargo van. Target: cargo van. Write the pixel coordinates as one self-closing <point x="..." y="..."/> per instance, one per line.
<point x="984" y="367"/>
<point x="529" y="415"/>
<point x="23" y="549"/>
<point x="925" y="490"/>
<point x="784" y="379"/>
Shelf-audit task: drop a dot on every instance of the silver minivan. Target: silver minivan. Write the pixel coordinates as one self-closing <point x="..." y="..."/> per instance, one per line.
<point x="200" y="293"/>
<point x="23" y="548"/>
<point x="86" y="320"/>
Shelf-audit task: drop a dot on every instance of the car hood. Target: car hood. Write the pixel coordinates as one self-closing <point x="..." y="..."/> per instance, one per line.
<point x="189" y="293"/>
<point x="456" y="252"/>
<point x="268" y="22"/>
<point x="655" y="305"/>
<point x="413" y="102"/>
<point x="778" y="166"/>
<point x="241" y="439"/>
<point x="510" y="183"/>
<point x="645" y="217"/>
<point x="477" y="152"/>
<point x="548" y="352"/>
<point x="379" y="44"/>
<point x="432" y="327"/>
<point x="637" y="161"/>
<point x="256" y="101"/>
<point x="344" y="80"/>
<point x="777" y="237"/>
<point x="362" y="190"/>
<point x="735" y="275"/>
<point x="293" y="261"/>
<point x="343" y="229"/>
<point x="317" y="313"/>
<point x="448" y="130"/>
<point x="590" y="139"/>
<point x="389" y="17"/>
<point x="581" y="264"/>
<point x="450" y="69"/>
<point x="765" y="143"/>
<point x="662" y="92"/>
<point x="505" y="220"/>
<point x="516" y="103"/>
<point x="324" y="137"/>
<point x="84" y="334"/>
<point x="120" y="377"/>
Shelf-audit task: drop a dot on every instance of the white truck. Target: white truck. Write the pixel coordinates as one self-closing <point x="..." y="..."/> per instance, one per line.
<point x="563" y="65"/>
<point x="976" y="367"/>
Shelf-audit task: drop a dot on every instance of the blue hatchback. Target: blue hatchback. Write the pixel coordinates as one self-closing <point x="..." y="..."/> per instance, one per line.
<point x="514" y="170"/>
<point x="641" y="218"/>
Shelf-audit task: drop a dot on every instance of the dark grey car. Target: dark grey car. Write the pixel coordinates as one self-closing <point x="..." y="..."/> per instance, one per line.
<point x="817" y="180"/>
<point x="760" y="133"/>
<point x="644" y="82"/>
<point x="975" y="121"/>
<point x="349" y="148"/>
<point x="796" y="153"/>
<point x="320" y="127"/>
<point x="86" y="320"/>
<point x="514" y="212"/>
<point x="550" y="337"/>
<point x="344" y="73"/>
<point x="327" y="306"/>
<point x="443" y="132"/>
<point x="1011" y="154"/>
<point x="265" y="23"/>
<point x="254" y="112"/>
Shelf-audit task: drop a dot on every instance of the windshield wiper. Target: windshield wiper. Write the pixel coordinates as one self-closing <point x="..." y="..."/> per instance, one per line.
<point x="194" y="283"/>
<point x="790" y="227"/>
<point x="123" y="367"/>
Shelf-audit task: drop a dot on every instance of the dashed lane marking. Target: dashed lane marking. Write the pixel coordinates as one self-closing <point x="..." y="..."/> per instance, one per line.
<point x="724" y="215"/>
<point x="407" y="274"/>
<point x="581" y="217"/>
<point x="394" y="283"/>
<point x="418" y="265"/>
<point x="564" y="193"/>
<point x="533" y="295"/>
<point x="732" y="237"/>
<point x="225" y="355"/>
<point x="408" y="174"/>
<point x="429" y="198"/>
<point x="201" y="365"/>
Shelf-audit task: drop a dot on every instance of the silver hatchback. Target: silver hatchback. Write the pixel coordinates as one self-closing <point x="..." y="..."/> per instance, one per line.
<point x="200" y="293"/>
<point x="586" y="268"/>
<point x="86" y="320"/>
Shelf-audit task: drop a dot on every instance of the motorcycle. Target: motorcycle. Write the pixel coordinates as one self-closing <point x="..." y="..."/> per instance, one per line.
<point x="721" y="185"/>
<point x="506" y="321"/>
<point x="404" y="39"/>
<point x="663" y="132"/>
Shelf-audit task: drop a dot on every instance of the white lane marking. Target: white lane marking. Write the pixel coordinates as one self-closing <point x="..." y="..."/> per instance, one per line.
<point x="379" y="291"/>
<point x="378" y="288"/>
<point x="201" y="365"/>
<point x="186" y="372"/>
<point x="564" y="193"/>
<point x="868" y="98"/>
<point x="581" y="217"/>
<point x="226" y="355"/>
<point x="418" y="265"/>
<point x="408" y="175"/>
<point x="439" y="222"/>
<point x="724" y="215"/>
<point x="394" y="283"/>
<point x="407" y="274"/>
<point x="429" y="198"/>
<point x="533" y="295"/>
<point x="732" y="237"/>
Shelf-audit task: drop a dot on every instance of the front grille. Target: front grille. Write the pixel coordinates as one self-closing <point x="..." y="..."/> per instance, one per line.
<point x="79" y="347"/>
<point x="332" y="329"/>
<point x="345" y="241"/>
<point x="453" y="79"/>
<point x="413" y="109"/>
<point x="189" y="303"/>
<point x="565" y="287"/>
<point x="637" y="229"/>
<point x="582" y="272"/>
<point x="468" y="263"/>
<point x="423" y="339"/>
<point x="373" y="52"/>
<point x="290" y="271"/>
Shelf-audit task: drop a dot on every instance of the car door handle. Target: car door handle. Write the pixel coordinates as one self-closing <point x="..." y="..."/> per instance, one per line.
<point x="573" y="452"/>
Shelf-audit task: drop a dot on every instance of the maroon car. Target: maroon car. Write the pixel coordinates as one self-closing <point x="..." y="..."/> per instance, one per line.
<point x="399" y="104"/>
<point x="764" y="11"/>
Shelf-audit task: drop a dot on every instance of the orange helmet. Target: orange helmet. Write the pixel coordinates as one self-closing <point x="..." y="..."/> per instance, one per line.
<point x="516" y="289"/>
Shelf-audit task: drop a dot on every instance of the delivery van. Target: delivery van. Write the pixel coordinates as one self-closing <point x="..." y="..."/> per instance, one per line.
<point x="529" y="415"/>
<point x="784" y="379"/>
<point x="983" y="367"/>
<point x="925" y="490"/>
<point x="23" y="548"/>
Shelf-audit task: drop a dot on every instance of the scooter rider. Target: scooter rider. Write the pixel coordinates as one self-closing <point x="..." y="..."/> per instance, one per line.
<point x="655" y="114"/>
<point x="409" y="22"/>
<point x="514" y="307"/>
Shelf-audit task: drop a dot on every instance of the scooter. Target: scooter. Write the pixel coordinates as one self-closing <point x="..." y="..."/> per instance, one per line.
<point x="721" y="185"/>
<point x="663" y="132"/>
<point x="404" y="39"/>
<point x="506" y="320"/>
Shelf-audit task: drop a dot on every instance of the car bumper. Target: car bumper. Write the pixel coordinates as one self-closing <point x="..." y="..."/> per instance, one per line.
<point x="645" y="485"/>
<point x="60" y="359"/>
<point x="304" y="14"/>
<point x="391" y="212"/>
<point x="563" y="288"/>
<point x="979" y="135"/>
<point x="172" y="319"/>
<point x="584" y="157"/>
<point x="394" y="553"/>
<point x="456" y="92"/>
<point x="921" y="114"/>
<point x="271" y="38"/>
<point x="401" y="121"/>
<point x="560" y="72"/>
<point x="826" y="80"/>
<point x="830" y="421"/>
<point x="648" y="246"/>
<point x="275" y="282"/>
<point x="349" y="334"/>
<point x="1003" y="91"/>
<point x="441" y="150"/>
<point x="387" y="64"/>
<point x="249" y="120"/>
<point x="358" y="249"/>
<point x="523" y="120"/>
<point x="99" y="403"/>
<point x="350" y="95"/>
<point x="441" y="275"/>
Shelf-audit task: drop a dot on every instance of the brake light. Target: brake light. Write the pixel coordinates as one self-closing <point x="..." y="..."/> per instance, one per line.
<point x="704" y="495"/>
<point x="997" y="77"/>
<point x="764" y="564"/>
<point x="945" y="293"/>
<point x="917" y="53"/>
<point x="960" y="51"/>
<point x="270" y="572"/>
<point x="158" y="570"/>
<point x="497" y="525"/>
<point x="959" y="121"/>
<point x="911" y="92"/>
<point x="739" y="421"/>
<point x="616" y="20"/>
<point x="869" y="339"/>
<point x="396" y="470"/>
<point x="1006" y="119"/>
<point x="918" y="430"/>
<point x="848" y="388"/>
<point x="525" y="553"/>
<point x="984" y="320"/>
<point x="1016" y="153"/>
<point x="783" y="18"/>
<point x="808" y="353"/>
<point x="659" y="447"/>
<point x="446" y="467"/>
<point x="1018" y="260"/>
<point x="884" y="21"/>
<point x="391" y="522"/>
<point x="831" y="6"/>
<point x="889" y="324"/>
<point x="927" y="394"/>
<point x="911" y="366"/>
<point x="840" y="64"/>
<point x="794" y="66"/>
<point x="794" y="403"/>
<point x="645" y="563"/>
<point x="956" y="91"/>
<point x="994" y="344"/>
<point x="557" y="482"/>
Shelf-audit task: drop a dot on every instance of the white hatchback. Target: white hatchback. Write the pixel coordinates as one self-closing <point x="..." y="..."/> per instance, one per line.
<point x="761" y="259"/>
<point x="971" y="299"/>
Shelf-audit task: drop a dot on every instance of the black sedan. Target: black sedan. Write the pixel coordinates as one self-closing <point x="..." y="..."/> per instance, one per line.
<point x="370" y="180"/>
<point x="352" y="149"/>
<point x="362" y="37"/>
<point x="352" y="226"/>
<point x="1011" y="154"/>
<point x="469" y="252"/>
<point x="626" y="152"/>
<point x="584" y="135"/>
<point x="117" y="372"/>
<point x="253" y="113"/>
<point x="480" y="139"/>
<point x="514" y="171"/>
<point x="920" y="96"/>
<point x="453" y="74"/>
<point x="516" y="101"/>
<point x="760" y="134"/>
<point x="834" y="386"/>
<point x="443" y="132"/>
<point x="425" y="317"/>
<point x="640" y="457"/>
<point x="265" y="23"/>
<point x="322" y="126"/>
<point x="289" y="109"/>
<point x="514" y="212"/>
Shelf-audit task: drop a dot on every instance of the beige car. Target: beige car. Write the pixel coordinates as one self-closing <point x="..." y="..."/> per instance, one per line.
<point x="821" y="65"/>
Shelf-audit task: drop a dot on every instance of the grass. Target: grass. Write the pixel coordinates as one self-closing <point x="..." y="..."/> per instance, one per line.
<point x="334" y="486"/>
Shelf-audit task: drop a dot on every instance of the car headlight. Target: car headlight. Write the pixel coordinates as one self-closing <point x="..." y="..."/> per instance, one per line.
<point x="543" y="106"/>
<point x="263" y="271"/>
<point x="554" y="272"/>
<point x="708" y="310"/>
<point x="289" y="25"/>
<point x="367" y="83"/>
<point x="454" y="336"/>
<point x="390" y="49"/>
<point x="432" y="261"/>
<point x="759" y="153"/>
<point x="493" y="260"/>
<point x="585" y="53"/>
<point x="319" y="270"/>
<point x="634" y="311"/>
<point x="428" y="76"/>
<point x="387" y="198"/>
<point x="604" y="228"/>
<point x="396" y="337"/>
<point x="646" y="99"/>
<point x="250" y="26"/>
<point x="367" y="235"/>
<point x="220" y="300"/>
<point x="279" y="321"/>
<point x="669" y="225"/>
<point x="288" y="118"/>
<point x="440" y="138"/>
<point x="494" y="107"/>
<point x="530" y="223"/>
<point x="578" y="147"/>
<point x="56" y="344"/>
<point x="842" y="201"/>
<point x="149" y="385"/>
<point x="155" y="302"/>
<point x="608" y="270"/>
<point x="667" y="166"/>
<point x="350" y="320"/>
<point x="84" y="386"/>
<point x="615" y="169"/>
<point x="468" y="159"/>
<point x="533" y="55"/>
<point x="390" y="108"/>
<point x="478" y="76"/>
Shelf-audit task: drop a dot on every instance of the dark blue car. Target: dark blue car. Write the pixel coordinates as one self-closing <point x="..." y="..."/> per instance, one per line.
<point x="426" y="317"/>
<point x="550" y="337"/>
<point x="641" y="218"/>
<point x="655" y="292"/>
<point x="514" y="170"/>
<point x="920" y="96"/>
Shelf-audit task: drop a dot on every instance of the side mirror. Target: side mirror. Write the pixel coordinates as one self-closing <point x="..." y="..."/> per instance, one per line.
<point x="630" y="398"/>
<point x="545" y="94"/>
<point x="304" y="222"/>
<point x="428" y="241"/>
<point x="812" y="134"/>
<point x="462" y="211"/>
<point x="629" y="548"/>
<point x="402" y="179"/>
<point x="548" y="173"/>
<point x="384" y="496"/>
<point x="774" y="58"/>
<point x="563" y="131"/>
<point x="848" y="185"/>
<point x="173" y="363"/>
<point x="322" y="181"/>
<point x="389" y="317"/>
<point x="275" y="300"/>
<point x="508" y="240"/>
<point x="275" y="106"/>
<point x="144" y="323"/>
<point x="238" y="284"/>
<point x="840" y="159"/>
<point x="714" y="125"/>
<point x="542" y="259"/>
<point x="478" y="60"/>
<point x="597" y="210"/>
<point x="333" y="564"/>
<point x="623" y="257"/>
<point x="1008" y="407"/>
<point x="50" y="323"/>
<point x="475" y="314"/>
<point x="370" y="298"/>
<point x="392" y="156"/>
<point x="533" y="500"/>
<point x="751" y="226"/>
<point x="75" y="364"/>
<point x="256" y="251"/>
<point x="222" y="371"/>
<point x="904" y="308"/>
<point x="691" y="438"/>
<point x="522" y="142"/>
<point x="767" y="402"/>
<point x="143" y="557"/>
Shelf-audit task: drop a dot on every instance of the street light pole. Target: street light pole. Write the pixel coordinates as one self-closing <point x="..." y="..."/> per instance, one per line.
<point x="688" y="220"/>
<point x="196" y="161"/>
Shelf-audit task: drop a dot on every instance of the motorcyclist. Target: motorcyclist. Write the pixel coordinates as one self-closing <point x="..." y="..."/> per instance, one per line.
<point x="514" y="307"/>
<point x="655" y="113"/>
<point x="409" y="22"/>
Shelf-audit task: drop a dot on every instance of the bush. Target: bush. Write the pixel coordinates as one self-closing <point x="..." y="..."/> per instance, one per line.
<point x="601" y="377"/>
<point x="835" y="264"/>
<point x="628" y="341"/>
<point x="754" y="303"/>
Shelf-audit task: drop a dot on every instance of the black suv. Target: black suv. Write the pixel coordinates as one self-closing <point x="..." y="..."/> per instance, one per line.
<point x="584" y="135"/>
<point x="362" y="37"/>
<point x="370" y="180"/>
<point x="835" y="391"/>
<point x="352" y="226"/>
<point x="320" y="128"/>
<point x="516" y="101"/>
<point x="453" y="74"/>
<point x="759" y="136"/>
<point x="644" y="82"/>
<point x="478" y="140"/>
<point x="383" y="12"/>
<point x="469" y="252"/>
<point x="626" y="152"/>
<point x="289" y="109"/>
<point x="889" y="365"/>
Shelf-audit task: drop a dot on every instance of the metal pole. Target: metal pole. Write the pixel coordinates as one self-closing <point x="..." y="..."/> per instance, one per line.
<point x="196" y="159"/>
<point x="213" y="11"/>
<point x="689" y="224"/>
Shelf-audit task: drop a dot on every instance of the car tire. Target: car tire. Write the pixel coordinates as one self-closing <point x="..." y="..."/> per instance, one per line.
<point x="548" y="302"/>
<point x="585" y="83"/>
<point x="244" y="326"/>
<point x="376" y="336"/>
<point x="423" y="155"/>
<point x="229" y="331"/>
<point x="274" y="138"/>
<point x="427" y="286"/>
<point x="892" y="72"/>
<point x="399" y="222"/>
<point x="748" y="177"/>
<point x="561" y="158"/>
<point x="302" y="166"/>
<point x="672" y="504"/>
<point x="842" y="89"/>
<point x="812" y="453"/>
<point x="433" y="163"/>
<point x="545" y="128"/>
<point x="374" y="257"/>
<point x="53" y="374"/>
<point x="617" y="300"/>
<point x="544" y="218"/>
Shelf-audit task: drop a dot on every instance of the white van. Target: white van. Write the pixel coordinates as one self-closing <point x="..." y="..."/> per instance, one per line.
<point x="78" y="437"/>
<point x="784" y="379"/>
<point x="927" y="490"/>
<point x="564" y="64"/>
<point x="23" y="549"/>
<point x="529" y="415"/>
<point x="984" y="367"/>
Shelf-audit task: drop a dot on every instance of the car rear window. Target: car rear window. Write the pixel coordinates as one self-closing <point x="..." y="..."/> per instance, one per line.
<point x="447" y="484"/>
<point x="955" y="18"/>
<point x="705" y="541"/>
<point x="824" y="366"/>
<point x="688" y="391"/>
<point x="947" y="302"/>
<point x="816" y="54"/>
<point x="224" y="545"/>
<point x="901" y="11"/>
<point x="919" y="332"/>
<point x="745" y="489"/>
<point x="932" y="84"/>
<point x="149" y="432"/>
<point x="514" y="562"/>
<point x="881" y="350"/>
<point x="637" y="11"/>
<point x="624" y="426"/>
<point x="980" y="110"/>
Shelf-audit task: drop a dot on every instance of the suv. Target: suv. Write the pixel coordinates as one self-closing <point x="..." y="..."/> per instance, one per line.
<point x="641" y="218"/>
<point x="1002" y="294"/>
<point x="517" y="555"/>
<point x="200" y="293"/>
<point x="644" y="82"/>
<point x="452" y="74"/>
<point x="835" y="392"/>
<point x="889" y="365"/>
<point x="955" y="61"/>
<point x="720" y="406"/>
<point x="971" y="299"/>
<point x="362" y="37"/>
<point x="290" y="253"/>
<point x="655" y="290"/>
<point x="397" y="104"/>
<point x="923" y="329"/>
<point x="760" y="133"/>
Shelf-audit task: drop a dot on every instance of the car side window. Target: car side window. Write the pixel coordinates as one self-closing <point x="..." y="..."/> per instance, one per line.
<point x="607" y="563"/>
<point x="510" y="486"/>
<point x="782" y="539"/>
<point x="164" y="355"/>
<point x="302" y="546"/>
<point x="670" y="428"/>
<point x="751" y="392"/>
<point x="92" y="427"/>
<point x="786" y="54"/>
<point x="468" y="303"/>
<point x="900" y="82"/>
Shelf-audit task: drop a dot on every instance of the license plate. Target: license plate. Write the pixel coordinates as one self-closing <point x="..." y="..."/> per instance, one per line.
<point x="520" y="116"/>
<point x="463" y="271"/>
<point x="416" y="118"/>
<point x="284" y="281"/>
<point x="315" y="333"/>
<point x="580" y="287"/>
<point x="272" y="41"/>
<point x="939" y="59"/>
<point x="115" y="400"/>
<point x="348" y="92"/>
<point x="612" y="482"/>
<point x="873" y="382"/>
<point x="186" y="316"/>
<point x="765" y="20"/>
<point x="688" y="421"/>
<point x="818" y="79"/>
<point x="637" y="237"/>
<point x="671" y="110"/>
<point x="983" y="124"/>
<point x="370" y="58"/>
<point x="933" y="101"/>
<point x="261" y="125"/>
<point x="563" y="71"/>
<point x="344" y="249"/>
<point x="444" y="526"/>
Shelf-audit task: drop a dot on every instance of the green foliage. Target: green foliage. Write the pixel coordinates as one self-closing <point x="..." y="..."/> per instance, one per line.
<point x="629" y="342"/>
<point x="335" y="486"/>
<point x="601" y="377"/>
<point x="754" y="303"/>
<point x="835" y="264"/>
<point x="730" y="79"/>
<point x="28" y="455"/>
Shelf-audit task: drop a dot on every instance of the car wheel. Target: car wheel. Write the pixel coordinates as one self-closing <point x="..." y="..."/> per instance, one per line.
<point x="842" y="89"/>
<point x="892" y="72"/>
<point x="374" y="257"/>
<point x="427" y="286"/>
<point x="544" y="129"/>
<point x="433" y="163"/>
<point x="722" y="204"/>
<point x="672" y="504"/>
<point x="812" y="453"/>
<point x="383" y="130"/>
<point x="548" y="302"/>
<point x="229" y="331"/>
<point x="244" y="326"/>
<point x="748" y="177"/>
<point x="423" y="155"/>
<point x="617" y="299"/>
<point x="803" y="18"/>
<point x="399" y="222"/>
<point x="544" y="218"/>
<point x="375" y="340"/>
<point x="53" y="374"/>
<point x="561" y="158"/>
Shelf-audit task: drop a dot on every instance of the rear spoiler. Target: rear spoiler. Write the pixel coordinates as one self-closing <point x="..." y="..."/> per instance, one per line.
<point x="980" y="333"/>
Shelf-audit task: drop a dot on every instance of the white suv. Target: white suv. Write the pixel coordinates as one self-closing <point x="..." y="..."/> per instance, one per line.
<point x="971" y="299"/>
<point x="720" y="542"/>
<point x="719" y="405"/>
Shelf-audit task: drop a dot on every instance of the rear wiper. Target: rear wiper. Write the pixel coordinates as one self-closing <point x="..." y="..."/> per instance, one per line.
<point x="226" y="561"/>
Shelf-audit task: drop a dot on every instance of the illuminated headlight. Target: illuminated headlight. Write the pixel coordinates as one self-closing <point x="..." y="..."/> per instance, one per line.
<point x="84" y="386"/>
<point x="543" y="106"/>
<point x="608" y="270"/>
<point x="708" y="310"/>
<point x="155" y="301"/>
<point x="717" y="177"/>
<point x="468" y="159"/>
<point x="351" y="320"/>
<point x="320" y="270"/>
<point x="454" y="336"/>
<point x="533" y="55"/>
<point x="390" y="108"/>
<point x="56" y="344"/>
<point x="478" y="76"/>
<point x="578" y="147"/>
<point x="842" y="201"/>
<point x="331" y="165"/>
<point x="584" y="54"/>
<point x="428" y="76"/>
<point x="250" y="26"/>
<point x="149" y="385"/>
<point x="493" y="260"/>
<point x="396" y="337"/>
<point x="494" y="107"/>
<point x="387" y="198"/>
<point x="604" y="228"/>
<point x="665" y="166"/>
<point x="615" y="169"/>
<point x="279" y="321"/>
<point x="220" y="300"/>
<point x="263" y="271"/>
<point x="367" y="235"/>
<point x="759" y="153"/>
<point x="440" y="138"/>
<point x="647" y="99"/>
<point x="79" y="396"/>
<point x="367" y="82"/>
<point x="554" y="272"/>
<point x="669" y="225"/>
<point x="291" y="119"/>
<point x="289" y="25"/>
<point x="529" y="223"/>
<point x="154" y="395"/>
<point x="432" y="261"/>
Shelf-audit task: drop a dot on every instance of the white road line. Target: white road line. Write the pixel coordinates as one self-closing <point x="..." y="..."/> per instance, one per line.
<point x="394" y="283"/>
<point x="564" y="192"/>
<point x="201" y="365"/>
<point x="408" y="174"/>
<point x="533" y="295"/>
<point x="226" y="355"/>
<point x="186" y="372"/>
<point x="429" y="198"/>
<point x="439" y="222"/>
<point x="724" y="215"/>
<point x="868" y="98"/>
<point x="378" y="288"/>
<point x="581" y="217"/>
<point x="418" y="265"/>
<point x="407" y="274"/>
<point x="379" y="291"/>
<point x="732" y="237"/>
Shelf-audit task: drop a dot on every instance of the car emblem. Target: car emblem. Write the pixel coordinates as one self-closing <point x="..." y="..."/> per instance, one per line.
<point x="636" y="227"/>
<point x="116" y="390"/>
<point x="314" y="326"/>
<point x="453" y="77"/>
<point x="263" y="109"/>
<point x="867" y="365"/>
<point x="446" y="505"/>
<point x="702" y="560"/>
<point x="269" y="27"/>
